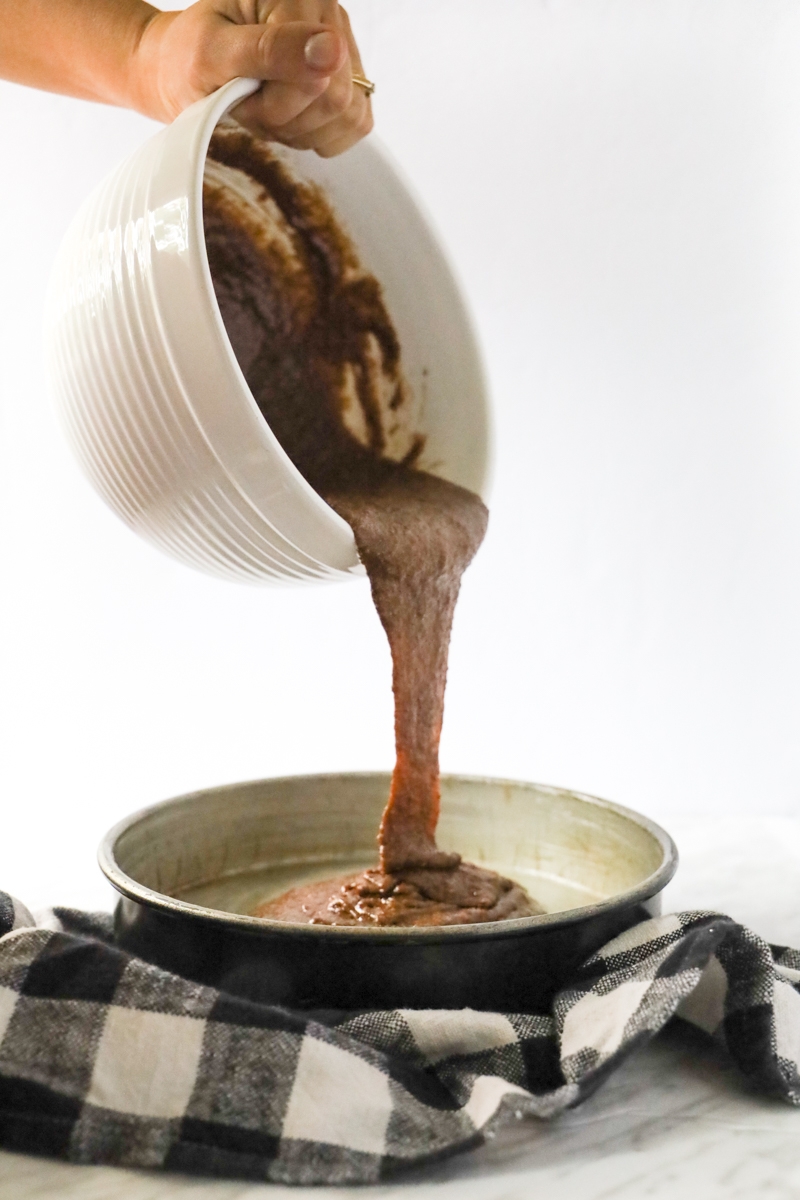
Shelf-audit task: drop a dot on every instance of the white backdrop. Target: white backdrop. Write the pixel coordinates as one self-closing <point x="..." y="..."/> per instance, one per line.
<point x="618" y="183"/>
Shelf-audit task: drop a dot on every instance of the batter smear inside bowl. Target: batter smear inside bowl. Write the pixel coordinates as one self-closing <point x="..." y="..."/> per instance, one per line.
<point x="310" y="329"/>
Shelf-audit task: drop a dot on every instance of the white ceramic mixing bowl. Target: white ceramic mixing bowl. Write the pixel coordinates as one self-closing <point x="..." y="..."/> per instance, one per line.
<point x="153" y="399"/>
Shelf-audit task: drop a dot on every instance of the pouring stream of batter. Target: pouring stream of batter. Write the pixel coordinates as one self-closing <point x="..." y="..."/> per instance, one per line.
<point x="310" y="329"/>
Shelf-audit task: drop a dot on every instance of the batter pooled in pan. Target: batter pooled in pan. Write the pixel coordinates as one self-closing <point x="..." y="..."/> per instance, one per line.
<point x="310" y="329"/>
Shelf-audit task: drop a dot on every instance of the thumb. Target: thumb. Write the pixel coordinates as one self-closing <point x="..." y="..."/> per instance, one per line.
<point x="295" y="52"/>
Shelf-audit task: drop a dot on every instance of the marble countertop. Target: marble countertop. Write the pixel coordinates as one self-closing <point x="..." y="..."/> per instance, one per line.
<point x="675" y="1121"/>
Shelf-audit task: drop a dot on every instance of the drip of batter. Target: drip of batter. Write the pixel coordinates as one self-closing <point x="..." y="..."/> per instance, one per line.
<point x="322" y="359"/>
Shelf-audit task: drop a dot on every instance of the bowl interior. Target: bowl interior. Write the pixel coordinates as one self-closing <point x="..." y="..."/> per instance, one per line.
<point x="441" y="361"/>
<point x="230" y="848"/>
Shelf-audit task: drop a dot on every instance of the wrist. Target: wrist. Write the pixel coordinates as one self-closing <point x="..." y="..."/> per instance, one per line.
<point x="145" y="75"/>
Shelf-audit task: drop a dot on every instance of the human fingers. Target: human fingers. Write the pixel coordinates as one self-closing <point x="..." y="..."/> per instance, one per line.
<point x="331" y="139"/>
<point x="272" y="106"/>
<point x="357" y="121"/>
<point x="326" y="108"/>
<point x="300" y="72"/>
<point x="336" y="136"/>
<point x="325" y="12"/>
<point x="339" y="91"/>
<point x="352" y="46"/>
<point x="299" y="53"/>
<point x="339" y="118"/>
<point x="348" y="138"/>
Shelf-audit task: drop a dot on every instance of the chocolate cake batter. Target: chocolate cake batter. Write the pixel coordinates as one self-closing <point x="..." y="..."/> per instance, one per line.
<point x="312" y="334"/>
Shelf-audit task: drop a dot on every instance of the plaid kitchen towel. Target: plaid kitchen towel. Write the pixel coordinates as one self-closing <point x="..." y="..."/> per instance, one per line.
<point x="106" y="1059"/>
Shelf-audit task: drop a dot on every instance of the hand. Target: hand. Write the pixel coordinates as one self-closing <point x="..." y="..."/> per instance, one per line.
<point x="304" y="50"/>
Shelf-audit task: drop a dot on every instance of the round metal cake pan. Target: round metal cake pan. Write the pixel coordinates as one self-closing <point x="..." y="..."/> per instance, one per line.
<point x="190" y="870"/>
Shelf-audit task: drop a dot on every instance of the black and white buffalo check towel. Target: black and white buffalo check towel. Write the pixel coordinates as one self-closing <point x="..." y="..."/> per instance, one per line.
<point x="106" y="1059"/>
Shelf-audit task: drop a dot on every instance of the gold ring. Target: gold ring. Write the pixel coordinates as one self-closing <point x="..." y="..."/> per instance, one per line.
<point x="362" y="82"/>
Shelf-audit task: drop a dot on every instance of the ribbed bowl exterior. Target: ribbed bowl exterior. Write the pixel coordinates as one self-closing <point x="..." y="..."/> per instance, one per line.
<point x="152" y="398"/>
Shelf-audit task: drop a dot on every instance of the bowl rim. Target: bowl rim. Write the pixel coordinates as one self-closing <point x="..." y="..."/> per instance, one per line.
<point x="170" y="905"/>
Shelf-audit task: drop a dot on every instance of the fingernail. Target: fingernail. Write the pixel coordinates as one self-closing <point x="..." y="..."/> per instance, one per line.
<point x="322" y="51"/>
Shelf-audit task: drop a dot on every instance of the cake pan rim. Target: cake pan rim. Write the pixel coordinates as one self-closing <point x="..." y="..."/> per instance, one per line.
<point x="128" y="887"/>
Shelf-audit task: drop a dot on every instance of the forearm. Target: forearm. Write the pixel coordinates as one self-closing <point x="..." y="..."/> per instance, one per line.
<point x="84" y="48"/>
<point x="127" y="52"/>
